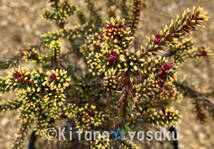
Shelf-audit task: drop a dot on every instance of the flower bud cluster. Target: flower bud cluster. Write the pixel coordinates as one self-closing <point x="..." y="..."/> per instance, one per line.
<point x="32" y="55"/>
<point x="167" y="117"/>
<point x="60" y="11"/>
<point x="85" y="117"/>
<point x="40" y="95"/>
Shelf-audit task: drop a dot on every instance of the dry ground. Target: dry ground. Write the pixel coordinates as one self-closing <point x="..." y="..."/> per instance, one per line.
<point x="20" y="24"/>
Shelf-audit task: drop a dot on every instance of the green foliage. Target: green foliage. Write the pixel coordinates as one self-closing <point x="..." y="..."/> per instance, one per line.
<point x="60" y="11"/>
<point x="55" y="50"/>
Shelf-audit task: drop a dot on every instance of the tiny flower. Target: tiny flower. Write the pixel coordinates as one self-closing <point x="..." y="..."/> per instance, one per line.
<point x="113" y="57"/>
<point x="123" y="26"/>
<point x="113" y="53"/>
<point x="53" y="77"/>
<point x="166" y="66"/>
<point x="90" y="113"/>
<point x="160" y="83"/>
<point x="29" y="50"/>
<point x="101" y="40"/>
<point x="17" y="75"/>
<point x="162" y="75"/>
<point x="144" y="54"/>
<point x="116" y="30"/>
<point x="110" y="26"/>
<point x="158" y="38"/>
<point x="33" y="56"/>
<point x="111" y="60"/>
<point x="134" y="91"/>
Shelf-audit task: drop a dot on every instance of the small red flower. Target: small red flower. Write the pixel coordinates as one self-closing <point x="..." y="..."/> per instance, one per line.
<point x="162" y="75"/>
<point x="134" y="91"/>
<point x="158" y="38"/>
<point x="113" y="57"/>
<point x="17" y="75"/>
<point x="53" y="77"/>
<point x="110" y="26"/>
<point x="29" y="50"/>
<point x="150" y="50"/>
<point x="113" y="53"/>
<point x="166" y="66"/>
<point x="144" y="54"/>
<point x="160" y="83"/>
<point x="101" y="40"/>
<point x="112" y="60"/>
<point x="90" y="113"/>
<point x="123" y="26"/>
<point x="33" y="56"/>
<point x="146" y="66"/>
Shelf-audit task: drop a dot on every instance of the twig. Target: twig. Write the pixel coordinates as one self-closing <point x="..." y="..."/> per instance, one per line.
<point x="197" y="95"/>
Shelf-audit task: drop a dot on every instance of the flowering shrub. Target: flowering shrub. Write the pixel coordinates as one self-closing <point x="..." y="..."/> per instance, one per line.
<point x="119" y="85"/>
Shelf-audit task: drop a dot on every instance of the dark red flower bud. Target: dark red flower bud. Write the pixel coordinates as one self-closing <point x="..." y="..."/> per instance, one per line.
<point x="29" y="50"/>
<point x="90" y="113"/>
<point x="146" y="66"/>
<point x="53" y="77"/>
<point x="17" y="75"/>
<point x="33" y="56"/>
<point x="123" y="26"/>
<point x="112" y="60"/>
<point x="101" y="40"/>
<point x="158" y="38"/>
<point x="113" y="53"/>
<point x="134" y="91"/>
<point x="113" y="57"/>
<point x="110" y="26"/>
<point x="144" y="54"/>
<point x="162" y="75"/>
<point x="166" y="66"/>
<point x="160" y="83"/>
<point x="150" y="50"/>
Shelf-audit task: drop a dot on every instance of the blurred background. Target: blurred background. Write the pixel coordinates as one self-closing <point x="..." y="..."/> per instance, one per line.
<point x="21" y="25"/>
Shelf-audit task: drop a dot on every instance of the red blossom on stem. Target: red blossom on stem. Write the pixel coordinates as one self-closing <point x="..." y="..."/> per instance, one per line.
<point x="101" y="40"/>
<point x="90" y="113"/>
<point x="160" y="83"/>
<point x="158" y="38"/>
<point x="166" y="66"/>
<point x="33" y="56"/>
<point x="162" y="75"/>
<point x="17" y="75"/>
<point x="29" y="50"/>
<point x="53" y="77"/>
<point x="123" y="26"/>
<point x="110" y="26"/>
<point x="134" y="92"/>
<point x="113" y="57"/>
